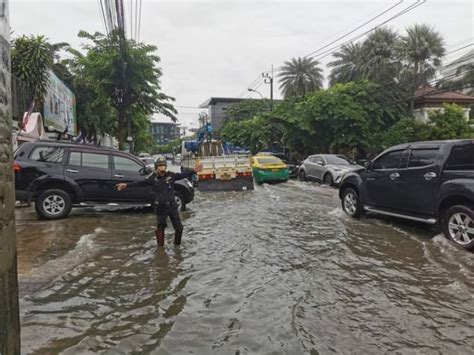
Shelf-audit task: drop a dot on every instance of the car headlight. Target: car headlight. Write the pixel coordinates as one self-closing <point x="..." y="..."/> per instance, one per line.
<point x="189" y="183"/>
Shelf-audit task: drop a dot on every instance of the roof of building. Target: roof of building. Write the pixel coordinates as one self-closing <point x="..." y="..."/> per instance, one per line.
<point x="434" y="95"/>
<point x="165" y="123"/>
<point x="214" y="100"/>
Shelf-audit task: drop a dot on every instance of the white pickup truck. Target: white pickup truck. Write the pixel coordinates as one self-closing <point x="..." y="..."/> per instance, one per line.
<point x="221" y="172"/>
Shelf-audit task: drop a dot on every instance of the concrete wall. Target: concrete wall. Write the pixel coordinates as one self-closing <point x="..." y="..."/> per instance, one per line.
<point x="9" y="318"/>
<point x="217" y="113"/>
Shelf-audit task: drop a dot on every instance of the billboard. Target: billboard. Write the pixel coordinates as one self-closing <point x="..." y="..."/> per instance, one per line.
<point x="59" y="106"/>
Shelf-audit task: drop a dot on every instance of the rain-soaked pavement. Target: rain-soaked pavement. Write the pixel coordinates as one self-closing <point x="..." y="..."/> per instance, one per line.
<point x="280" y="270"/>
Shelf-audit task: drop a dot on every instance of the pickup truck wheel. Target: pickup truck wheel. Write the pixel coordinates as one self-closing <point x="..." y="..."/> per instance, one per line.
<point x="180" y="201"/>
<point x="458" y="225"/>
<point x="351" y="203"/>
<point x="302" y="175"/>
<point x="53" y="204"/>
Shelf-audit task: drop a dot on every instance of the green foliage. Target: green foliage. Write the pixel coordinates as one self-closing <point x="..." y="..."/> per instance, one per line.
<point x="344" y="118"/>
<point x="421" y="50"/>
<point x="406" y="130"/>
<point x="404" y="62"/>
<point x="448" y="123"/>
<point x="348" y="65"/>
<point x="245" y="110"/>
<point x="118" y="85"/>
<point x="300" y="76"/>
<point x="32" y="57"/>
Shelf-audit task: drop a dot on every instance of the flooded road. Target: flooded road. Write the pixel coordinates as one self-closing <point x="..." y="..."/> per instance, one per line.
<point x="280" y="270"/>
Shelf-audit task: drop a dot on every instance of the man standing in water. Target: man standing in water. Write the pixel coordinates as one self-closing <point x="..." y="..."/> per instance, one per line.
<point x="165" y="203"/>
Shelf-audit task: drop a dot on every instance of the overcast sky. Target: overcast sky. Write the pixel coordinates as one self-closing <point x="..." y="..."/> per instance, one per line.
<point x="218" y="48"/>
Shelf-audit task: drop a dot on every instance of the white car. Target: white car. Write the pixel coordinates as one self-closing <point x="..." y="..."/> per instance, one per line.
<point x="326" y="168"/>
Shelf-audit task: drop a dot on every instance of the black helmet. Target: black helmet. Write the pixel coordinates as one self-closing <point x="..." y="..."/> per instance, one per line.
<point x="160" y="161"/>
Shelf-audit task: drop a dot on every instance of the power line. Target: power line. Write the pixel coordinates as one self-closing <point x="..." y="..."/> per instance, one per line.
<point x="397" y="15"/>
<point x="331" y="50"/>
<point x="355" y="29"/>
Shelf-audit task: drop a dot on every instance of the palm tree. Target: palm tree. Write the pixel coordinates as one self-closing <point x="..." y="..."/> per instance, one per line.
<point x="421" y="50"/>
<point x="348" y="65"/>
<point x="299" y="76"/>
<point x="380" y="58"/>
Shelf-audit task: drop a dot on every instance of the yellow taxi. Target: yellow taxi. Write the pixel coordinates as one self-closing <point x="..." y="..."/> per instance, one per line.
<point x="268" y="168"/>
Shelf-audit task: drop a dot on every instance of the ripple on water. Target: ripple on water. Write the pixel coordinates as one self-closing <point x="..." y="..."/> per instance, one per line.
<point x="277" y="270"/>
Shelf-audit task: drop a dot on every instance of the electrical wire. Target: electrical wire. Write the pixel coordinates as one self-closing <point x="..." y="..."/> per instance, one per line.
<point x="398" y="14"/>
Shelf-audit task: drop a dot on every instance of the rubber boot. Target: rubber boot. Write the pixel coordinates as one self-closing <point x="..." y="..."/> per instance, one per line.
<point x="160" y="236"/>
<point x="178" y="233"/>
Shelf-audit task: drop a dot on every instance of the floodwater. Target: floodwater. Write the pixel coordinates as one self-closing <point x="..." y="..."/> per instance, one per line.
<point x="280" y="270"/>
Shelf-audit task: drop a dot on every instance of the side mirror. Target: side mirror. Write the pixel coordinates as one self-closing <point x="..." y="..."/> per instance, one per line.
<point x="368" y="165"/>
<point x="144" y="171"/>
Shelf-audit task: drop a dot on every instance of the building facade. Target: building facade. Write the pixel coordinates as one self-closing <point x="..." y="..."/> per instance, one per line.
<point x="216" y="107"/>
<point x="164" y="132"/>
<point x="429" y="99"/>
<point x="9" y="313"/>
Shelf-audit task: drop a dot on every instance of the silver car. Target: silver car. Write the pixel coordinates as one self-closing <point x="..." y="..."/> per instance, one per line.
<point x="326" y="168"/>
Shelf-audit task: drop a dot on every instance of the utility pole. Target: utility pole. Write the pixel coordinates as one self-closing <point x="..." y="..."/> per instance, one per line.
<point x="268" y="79"/>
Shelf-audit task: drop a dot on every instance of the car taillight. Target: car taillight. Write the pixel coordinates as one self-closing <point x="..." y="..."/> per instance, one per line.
<point x="206" y="176"/>
<point x="246" y="173"/>
<point x="16" y="167"/>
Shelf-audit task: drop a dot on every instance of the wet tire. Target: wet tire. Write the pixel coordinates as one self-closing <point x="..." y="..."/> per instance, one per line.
<point x="180" y="201"/>
<point x="53" y="204"/>
<point x="327" y="179"/>
<point x="351" y="203"/>
<point x="458" y="226"/>
<point x="302" y="176"/>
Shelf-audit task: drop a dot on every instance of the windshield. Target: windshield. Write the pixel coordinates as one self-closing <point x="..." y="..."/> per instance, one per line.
<point x="337" y="160"/>
<point x="269" y="160"/>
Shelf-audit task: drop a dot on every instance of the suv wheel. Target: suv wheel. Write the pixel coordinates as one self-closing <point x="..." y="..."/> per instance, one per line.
<point x="458" y="225"/>
<point x="180" y="201"/>
<point x="302" y="175"/>
<point x="327" y="180"/>
<point x="351" y="203"/>
<point x="53" y="204"/>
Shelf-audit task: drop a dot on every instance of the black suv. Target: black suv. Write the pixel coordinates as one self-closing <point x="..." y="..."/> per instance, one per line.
<point x="58" y="175"/>
<point x="431" y="182"/>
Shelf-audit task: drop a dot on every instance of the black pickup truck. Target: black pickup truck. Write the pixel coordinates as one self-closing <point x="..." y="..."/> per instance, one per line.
<point x="59" y="175"/>
<point x="431" y="182"/>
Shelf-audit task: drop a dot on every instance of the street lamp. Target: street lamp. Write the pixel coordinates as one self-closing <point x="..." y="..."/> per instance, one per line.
<point x="264" y="100"/>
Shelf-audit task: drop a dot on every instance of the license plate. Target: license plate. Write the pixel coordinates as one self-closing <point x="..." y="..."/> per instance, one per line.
<point x="225" y="177"/>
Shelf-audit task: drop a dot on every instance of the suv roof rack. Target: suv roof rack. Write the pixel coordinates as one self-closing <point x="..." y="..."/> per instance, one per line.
<point x="65" y="142"/>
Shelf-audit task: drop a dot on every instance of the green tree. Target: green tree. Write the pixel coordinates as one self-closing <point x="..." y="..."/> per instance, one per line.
<point x="381" y="59"/>
<point x="406" y="130"/>
<point x="32" y="58"/>
<point x="244" y="110"/>
<point x="449" y="123"/>
<point x="348" y="65"/>
<point x="421" y="50"/>
<point x="300" y="76"/>
<point x="127" y="76"/>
